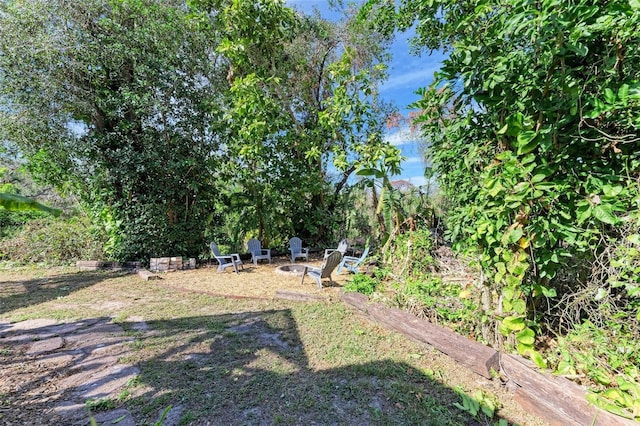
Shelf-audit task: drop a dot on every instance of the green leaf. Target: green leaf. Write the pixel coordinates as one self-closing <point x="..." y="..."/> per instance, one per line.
<point x="538" y="178"/>
<point x="525" y="137"/>
<point x="519" y="306"/>
<point x="565" y="368"/>
<point x="526" y="336"/>
<point x="603" y="213"/>
<point x="514" y="322"/>
<point x="367" y="172"/>
<point x="18" y="202"/>
<point x="634" y="239"/>
<point x="537" y="358"/>
<point x="609" y="96"/>
<point x="548" y="292"/>
<point x="512" y="235"/>
<point x="623" y="93"/>
<point x="584" y="212"/>
<point x="603" y="404"/>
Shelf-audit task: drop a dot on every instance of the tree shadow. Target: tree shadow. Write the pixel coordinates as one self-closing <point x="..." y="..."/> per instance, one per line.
<point x="244" y="368"/>
<point x="252" y="368"/>
<point x="24" y="293"/>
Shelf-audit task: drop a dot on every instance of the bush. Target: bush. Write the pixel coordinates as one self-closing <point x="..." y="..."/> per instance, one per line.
<point x="361" y="284"/>
<point x="410" y="254"/>
<point x="12" y="221"/>
<point x="440" y="302"/>
<point x="54" y="242"/>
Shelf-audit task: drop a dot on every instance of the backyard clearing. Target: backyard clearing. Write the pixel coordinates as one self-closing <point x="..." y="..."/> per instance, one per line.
<point x="76" y="345"/>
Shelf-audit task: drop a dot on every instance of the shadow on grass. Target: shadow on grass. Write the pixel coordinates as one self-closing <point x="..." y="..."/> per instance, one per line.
<point x="252" y="369"/>
<point x="24" y="293"/>
<point x="245" y="368"/>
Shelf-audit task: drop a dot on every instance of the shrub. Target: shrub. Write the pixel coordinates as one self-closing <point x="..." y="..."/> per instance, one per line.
<point x="410" y="254"/>
<point x="54" y="242"/>
<point x="361" y="284"/>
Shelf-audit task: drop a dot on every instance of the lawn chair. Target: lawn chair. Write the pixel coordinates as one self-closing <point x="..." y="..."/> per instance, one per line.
<point x="297" y="251"/>
<point x="257" y="252"/>
<point x="342" y="248"/>
<point x="325" y="270"/>
<point x="352" y="262"/>
<point x="227" y="260"/>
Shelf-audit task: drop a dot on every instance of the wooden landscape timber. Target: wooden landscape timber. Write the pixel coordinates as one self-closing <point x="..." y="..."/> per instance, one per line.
<point x="554" y="399"/>
<point x="94" y="265"/>
<point x="299" y="297"/>
<point x="473" y="355"/>
<point x="147" y="275"/>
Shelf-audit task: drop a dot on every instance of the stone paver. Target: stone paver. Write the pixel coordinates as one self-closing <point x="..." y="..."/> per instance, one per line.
<point x="46" y="345"/>
<point x="86" y="354"/>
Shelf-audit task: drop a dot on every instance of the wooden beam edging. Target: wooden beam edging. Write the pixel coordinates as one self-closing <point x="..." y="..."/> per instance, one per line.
<point x="299" y="297"/>
<point x="557" y="400"/>
<point x="479" y="358"/>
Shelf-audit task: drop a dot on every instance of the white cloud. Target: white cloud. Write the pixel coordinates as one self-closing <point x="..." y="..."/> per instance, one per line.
<point x="410" y="80"/>
<point x="413" y="160"/>
<point x="401" y="137"/>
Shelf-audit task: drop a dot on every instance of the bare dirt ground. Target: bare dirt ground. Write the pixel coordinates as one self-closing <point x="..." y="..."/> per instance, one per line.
<point x="256" y="281"/>
<point x="52" y="369"/>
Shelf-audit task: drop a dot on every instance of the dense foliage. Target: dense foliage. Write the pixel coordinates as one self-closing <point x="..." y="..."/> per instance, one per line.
<point x="303" y="116"/>
<point x="106" y="99"/>
<point x="49" y="241"/>
<point x="533" y="124"/>
<point x="175" y="126"/>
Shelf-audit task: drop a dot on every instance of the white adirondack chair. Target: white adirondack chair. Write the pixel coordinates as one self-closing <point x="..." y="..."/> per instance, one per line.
<point x="343" y="245"/>
<point x="257" y="252"/>
<point x="297" y="251"/>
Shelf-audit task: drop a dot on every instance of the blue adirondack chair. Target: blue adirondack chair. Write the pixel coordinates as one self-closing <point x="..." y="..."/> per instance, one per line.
<point x="226" y="260"/>
<point x="257" y="252"/>
<point x="352" y="262"/>
<point x="297" y="251"/>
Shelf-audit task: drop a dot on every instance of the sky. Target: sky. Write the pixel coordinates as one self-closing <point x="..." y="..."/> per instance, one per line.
<point x="407" y="73"/>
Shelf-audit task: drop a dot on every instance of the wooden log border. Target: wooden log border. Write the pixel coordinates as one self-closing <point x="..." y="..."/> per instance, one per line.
<point x="554" y="399"/>
<point x="95" y="265"/>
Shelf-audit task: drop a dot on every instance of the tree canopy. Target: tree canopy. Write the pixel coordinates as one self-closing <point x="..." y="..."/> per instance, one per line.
<point x="179" y="125"/>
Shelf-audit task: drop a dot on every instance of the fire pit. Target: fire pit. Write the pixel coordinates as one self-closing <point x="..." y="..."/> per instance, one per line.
<point x="291" y="270"/>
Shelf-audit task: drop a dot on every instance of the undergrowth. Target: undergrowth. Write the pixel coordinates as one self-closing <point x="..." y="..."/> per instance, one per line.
<point x="53" y="242"/>
<point x="601" y="354"/>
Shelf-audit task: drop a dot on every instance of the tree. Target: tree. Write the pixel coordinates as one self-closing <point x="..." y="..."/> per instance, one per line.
<point x="303" y="102"/>
<point x="115" y="100"/>
<point x="533" y="124"/>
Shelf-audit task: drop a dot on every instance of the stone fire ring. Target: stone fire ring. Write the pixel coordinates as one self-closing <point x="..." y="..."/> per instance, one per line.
<point x="291" y="270"/>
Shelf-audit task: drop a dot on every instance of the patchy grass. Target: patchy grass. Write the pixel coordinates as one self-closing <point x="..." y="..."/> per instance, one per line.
<point x="256" y="361"/>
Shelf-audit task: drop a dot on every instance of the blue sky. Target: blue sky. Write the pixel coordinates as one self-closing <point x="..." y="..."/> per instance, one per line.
<point x="407" y="73"/>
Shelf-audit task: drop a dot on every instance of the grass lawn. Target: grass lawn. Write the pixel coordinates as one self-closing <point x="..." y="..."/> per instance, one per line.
<point x="230" y="361"/>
